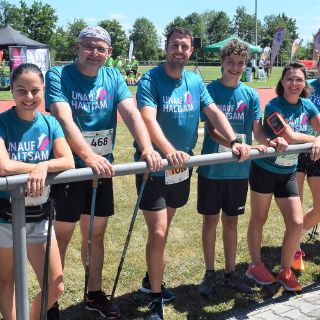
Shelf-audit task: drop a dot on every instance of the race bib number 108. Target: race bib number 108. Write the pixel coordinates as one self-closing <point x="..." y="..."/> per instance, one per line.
<point x="176" y="175"/>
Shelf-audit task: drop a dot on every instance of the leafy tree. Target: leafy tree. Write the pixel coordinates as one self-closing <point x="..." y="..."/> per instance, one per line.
<point x="244" y="25"/>
<point x="119" y="39"/>
<point x="177" y="22"/>
<point x="145" y="39"/>
<point x="217" y="25"/>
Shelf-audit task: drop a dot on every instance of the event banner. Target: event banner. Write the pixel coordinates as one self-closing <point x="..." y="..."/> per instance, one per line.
<point x="277" y="41"/>
<point x="17" y="55"/>
<point x="316" y="47"/>
<point x="265" y="54"/>
<point x="295" y="48"/>
<point x="40" y="57"/>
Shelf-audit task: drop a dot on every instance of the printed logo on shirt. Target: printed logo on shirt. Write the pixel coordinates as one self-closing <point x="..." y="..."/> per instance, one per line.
<point x="178" y="104"/>
<point x="234" y="112"/>
<point x="241" y="106"/>
<point x="300" y="124"/>
<point x="315" y="98"/>
<point x="96" y="99"/>
<point x="29" y="151"/>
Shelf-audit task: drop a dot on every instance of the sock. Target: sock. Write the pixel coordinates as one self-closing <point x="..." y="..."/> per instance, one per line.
<point x="93" y="294"/>
<point x="156" y="295"/>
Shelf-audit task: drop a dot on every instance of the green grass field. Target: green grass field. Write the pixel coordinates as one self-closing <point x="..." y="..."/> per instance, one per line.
<point x="185" y="265"/>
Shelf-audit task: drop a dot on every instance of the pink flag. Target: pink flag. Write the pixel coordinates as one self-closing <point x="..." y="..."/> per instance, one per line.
<point x="316" y="47"/>
<point x="277" y="41"/>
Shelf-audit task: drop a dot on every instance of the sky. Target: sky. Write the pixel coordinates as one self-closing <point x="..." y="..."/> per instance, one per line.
<point x="162" y="12"/>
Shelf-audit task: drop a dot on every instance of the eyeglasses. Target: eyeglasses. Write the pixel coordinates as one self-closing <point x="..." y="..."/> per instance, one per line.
<point x="292" y="80"/>
<point x="89" y="48"/>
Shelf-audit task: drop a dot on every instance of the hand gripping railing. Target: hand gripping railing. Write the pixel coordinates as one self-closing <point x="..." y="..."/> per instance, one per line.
<point x="15" y="184"/>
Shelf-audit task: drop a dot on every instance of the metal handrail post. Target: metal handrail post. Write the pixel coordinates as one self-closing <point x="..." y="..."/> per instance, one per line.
<point x="20" y="252"/>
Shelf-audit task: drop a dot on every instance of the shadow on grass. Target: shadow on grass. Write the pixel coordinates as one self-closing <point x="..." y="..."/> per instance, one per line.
<point x="133" y="305"/>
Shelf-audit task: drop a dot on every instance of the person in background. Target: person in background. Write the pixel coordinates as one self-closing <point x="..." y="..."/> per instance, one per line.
<point x="311" y="169"/>
<point x="224" y="186"/>
<point x="109" y="62"/>
<point x="118" y="63"/>
<point x="253" y="64"/>
<point x="85" y="96"/>
<point x="134" y="66"/>
<point x="170" y="100"/>
<point x="33" y="143"/>
<point x="127" y="67"/>
<point x="289" y="116"/>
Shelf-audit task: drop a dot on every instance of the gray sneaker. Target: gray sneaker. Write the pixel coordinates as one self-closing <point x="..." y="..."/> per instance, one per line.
<point x="234" y="281"/>
<point x="208" y="284"/>
<point x="155" y="310"/>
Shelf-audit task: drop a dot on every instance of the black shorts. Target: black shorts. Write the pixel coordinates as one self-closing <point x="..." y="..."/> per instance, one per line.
<point x="74" y="198"/>
<point x="281" y="185"/>
<point x="158" y="195"/>
<point x="307" y="166"/>
<point x="230" y="195"/>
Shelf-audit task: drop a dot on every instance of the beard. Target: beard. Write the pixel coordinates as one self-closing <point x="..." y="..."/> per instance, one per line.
<point x="176" y="63"/>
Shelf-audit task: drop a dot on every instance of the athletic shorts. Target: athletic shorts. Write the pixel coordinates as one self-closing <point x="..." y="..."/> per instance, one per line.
<point x="281" y="185"/>
<point x="307" y="166"/>
<point x="36" y="233"/>
<point x="157" y="195"/>
<point x="215" y="194"/>
<point x="73" y="199"/>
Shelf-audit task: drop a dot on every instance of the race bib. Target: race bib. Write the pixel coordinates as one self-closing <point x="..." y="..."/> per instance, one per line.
<point x="37" y="201"/>
<point x="241" y="136"/>
<point x="99" y="141"/>
<point x="176" y="175"/>
<point x="287" y="160"/>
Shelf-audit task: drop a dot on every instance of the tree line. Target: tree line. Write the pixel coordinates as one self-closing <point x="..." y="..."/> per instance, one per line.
<point x="39" y="22"/>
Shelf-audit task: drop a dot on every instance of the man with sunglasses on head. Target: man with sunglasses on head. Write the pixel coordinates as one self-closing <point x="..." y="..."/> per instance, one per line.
<point x="84" y="96"/>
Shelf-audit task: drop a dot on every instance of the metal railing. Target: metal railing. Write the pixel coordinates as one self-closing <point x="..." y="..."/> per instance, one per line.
<point x="15" y="184"/>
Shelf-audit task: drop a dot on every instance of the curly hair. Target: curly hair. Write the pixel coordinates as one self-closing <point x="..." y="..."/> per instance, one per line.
<point x="290" y="66"/>
<point x="235" y="47"/>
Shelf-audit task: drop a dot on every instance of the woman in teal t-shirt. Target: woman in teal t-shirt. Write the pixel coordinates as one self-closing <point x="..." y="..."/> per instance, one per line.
<point x="33" y="143"/>
<point x="289" y="115"/>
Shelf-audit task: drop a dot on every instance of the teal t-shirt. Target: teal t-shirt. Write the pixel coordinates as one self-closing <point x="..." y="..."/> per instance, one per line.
<point x="93" y="100"/>
<point x="178" y="103"/>
<point x="241" y="106"/>
<point x="298" y="117"/>
<point x="28" y="141"/>
<point x="315" y="98"/>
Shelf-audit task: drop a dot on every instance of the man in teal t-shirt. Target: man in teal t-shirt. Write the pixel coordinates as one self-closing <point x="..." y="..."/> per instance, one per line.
<point x="170" y="100"/>
<point x="224" y="186"/>
<point x="85" y="96"/>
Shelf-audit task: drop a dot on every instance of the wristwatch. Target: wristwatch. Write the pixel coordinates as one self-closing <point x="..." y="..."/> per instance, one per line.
<point x="236" y="140"/>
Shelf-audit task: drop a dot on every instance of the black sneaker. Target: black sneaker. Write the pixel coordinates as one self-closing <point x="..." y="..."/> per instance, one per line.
<point x="167" y="294"/>
<point x="234" y="281"/>
<point x="102" y="305"/>
<point x="155" y="310"/>
<point x="53" y="313"/>
<point x="208" y="284"/>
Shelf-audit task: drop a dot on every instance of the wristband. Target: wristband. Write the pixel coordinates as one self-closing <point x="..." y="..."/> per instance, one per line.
<point x="236" y="140"/>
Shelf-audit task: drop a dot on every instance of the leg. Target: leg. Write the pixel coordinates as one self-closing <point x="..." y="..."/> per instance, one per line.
<point x="260" y="204"/>
<point x="36" y="256"/>
<point x="209" y="228"/>
<point x="300" y="182"/>
<point x="158" y="223"/>
<point x="292" y="213"/>
<point x="312" y="217"/>
<point x="7" y="298"/>
<point x="229" y="235"/>
<point x="97" y="249"/>
<point x="64" y="232"/>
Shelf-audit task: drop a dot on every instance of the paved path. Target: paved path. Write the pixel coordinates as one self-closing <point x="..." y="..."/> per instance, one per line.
<point x="305" y="306"/>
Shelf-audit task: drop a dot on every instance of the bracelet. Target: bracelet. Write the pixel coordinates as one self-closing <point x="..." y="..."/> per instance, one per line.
<point x="236" y="140"/>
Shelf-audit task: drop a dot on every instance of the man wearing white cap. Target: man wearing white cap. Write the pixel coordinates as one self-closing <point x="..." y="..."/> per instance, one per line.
<point x="85" y="96"/>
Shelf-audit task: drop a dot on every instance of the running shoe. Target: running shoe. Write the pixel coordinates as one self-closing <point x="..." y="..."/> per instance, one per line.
<point x="298" y="263"/>
<point x="167" y="294"/>
<point x="102" y="305"/>
<point x="288" y="280"/>
<point x="208" y="284"/>
<point x="260" y="274"/>
<point x="234" y="281"/>
<point x="155" y="309"/>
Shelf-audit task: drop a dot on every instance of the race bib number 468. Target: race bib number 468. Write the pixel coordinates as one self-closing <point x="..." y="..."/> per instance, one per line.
<point x="99" y="141"/>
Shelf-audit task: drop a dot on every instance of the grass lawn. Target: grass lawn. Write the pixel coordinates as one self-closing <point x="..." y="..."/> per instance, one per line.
<point x="185" y="265"/>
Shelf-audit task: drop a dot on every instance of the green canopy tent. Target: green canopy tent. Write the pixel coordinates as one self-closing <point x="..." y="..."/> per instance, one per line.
<point x="216" y="47"/>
